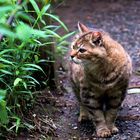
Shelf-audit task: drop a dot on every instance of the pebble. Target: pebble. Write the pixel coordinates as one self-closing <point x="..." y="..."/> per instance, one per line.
<point x="75" y="127"/>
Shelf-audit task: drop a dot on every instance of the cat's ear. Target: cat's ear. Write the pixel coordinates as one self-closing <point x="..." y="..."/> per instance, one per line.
<point x="82" y="28"/>
<point x="96" y="38"/>
<point x="96" y="34"/>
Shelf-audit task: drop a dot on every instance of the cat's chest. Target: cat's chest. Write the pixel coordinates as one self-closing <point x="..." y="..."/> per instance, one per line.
<point x="97" y="82"/>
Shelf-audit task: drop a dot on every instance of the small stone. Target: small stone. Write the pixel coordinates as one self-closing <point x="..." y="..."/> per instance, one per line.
<point x="75" y="127"/>
<point x="34" y="115"/>
<point x="74" y="138"/>
<point x="69" y="124"/>
<point x="123" y="137"/>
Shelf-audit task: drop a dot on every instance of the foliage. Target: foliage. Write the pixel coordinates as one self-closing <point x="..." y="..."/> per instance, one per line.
<point x="20" y="56"/>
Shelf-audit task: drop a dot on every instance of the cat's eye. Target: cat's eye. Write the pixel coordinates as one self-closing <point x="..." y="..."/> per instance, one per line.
<point x="82" y="50"/>
<point x="75" y="47"/>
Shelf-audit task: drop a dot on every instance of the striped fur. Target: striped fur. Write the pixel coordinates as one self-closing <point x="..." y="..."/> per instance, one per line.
<point x="100" y="72"/>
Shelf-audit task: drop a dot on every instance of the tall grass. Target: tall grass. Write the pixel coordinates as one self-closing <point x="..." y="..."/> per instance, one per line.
<point x="20" y="55"/>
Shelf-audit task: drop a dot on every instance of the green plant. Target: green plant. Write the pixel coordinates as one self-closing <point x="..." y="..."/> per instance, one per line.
<point x="20" y="56"/>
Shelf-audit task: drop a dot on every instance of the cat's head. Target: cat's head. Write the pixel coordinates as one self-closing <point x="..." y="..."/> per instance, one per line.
<point x="87" y="45"/>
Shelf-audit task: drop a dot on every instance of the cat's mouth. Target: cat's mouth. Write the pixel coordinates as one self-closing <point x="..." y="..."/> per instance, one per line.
<point x="75" y="60"/>
<point x="80" y="61"/>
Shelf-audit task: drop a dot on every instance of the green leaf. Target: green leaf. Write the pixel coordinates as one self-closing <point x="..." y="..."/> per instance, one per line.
<point x="17" y="124"/>
<point x="45" y="61"/>
<point x="7" y="32"/>
<point x="66" y="36"/>
<point x="7" y="1"/>
<point x="3" y="66"/>
<point x="3" y="113"/>
<point x="36" y="58"/>
<point x="5" y="61"/>
<point x="27" y="92"/>
<point x="41" y="13"/>
<point x="6" y="8"/>
<point x="44" y="9"/>
<point x="6" y="72"/>
<point x="2" y="94"/>
<point x="53" y="33"/>
<point x="17" y="72"/>
<point x="39" y="33"/>
<point x="6" y="50"/>
<point x="35" y="6"/>
<point x="58" y="20"/>
<point x="7" y="84"/>
<point x="31" y="78"/>
<point x="25" y="85"/>
<point x="35" y="66"/>
<point x="24" y="16"/>
<point x="16" y="82"/>
<point x="51" y="27"/>
<point x="23" y="31"/>
<point x="29" y="69"/>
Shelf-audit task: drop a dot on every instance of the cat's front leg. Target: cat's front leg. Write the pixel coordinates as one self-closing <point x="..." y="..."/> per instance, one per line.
<point x="94" y="108"/>
<point x="100" y="123"/>
<point x="112" y="107"/>
<point x="110" y="120"/>
<point x="83" y="115"/>
<point x="93" y="105"/>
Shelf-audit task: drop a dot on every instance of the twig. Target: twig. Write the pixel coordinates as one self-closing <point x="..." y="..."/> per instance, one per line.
<point x="131" y="87"/>
<point x="11" y="18"/>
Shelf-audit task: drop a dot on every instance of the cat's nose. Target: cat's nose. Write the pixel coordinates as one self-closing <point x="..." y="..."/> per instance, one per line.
<point x="72" y="56"/>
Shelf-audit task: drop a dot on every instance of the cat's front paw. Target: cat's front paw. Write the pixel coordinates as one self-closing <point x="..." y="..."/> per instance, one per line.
<point x="103" y="132"/>
<point x="114" y="130"/>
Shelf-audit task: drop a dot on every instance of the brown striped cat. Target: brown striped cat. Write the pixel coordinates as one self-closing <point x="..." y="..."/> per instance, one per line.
<point x="100" y="72"/>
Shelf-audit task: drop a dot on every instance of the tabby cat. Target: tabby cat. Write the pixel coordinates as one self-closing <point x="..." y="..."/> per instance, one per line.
<point x="100" y="71"/>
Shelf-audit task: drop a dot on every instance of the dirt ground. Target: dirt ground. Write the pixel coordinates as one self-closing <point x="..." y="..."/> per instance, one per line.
<point x="122" y="20"/>
<point x="57" y="113"/>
